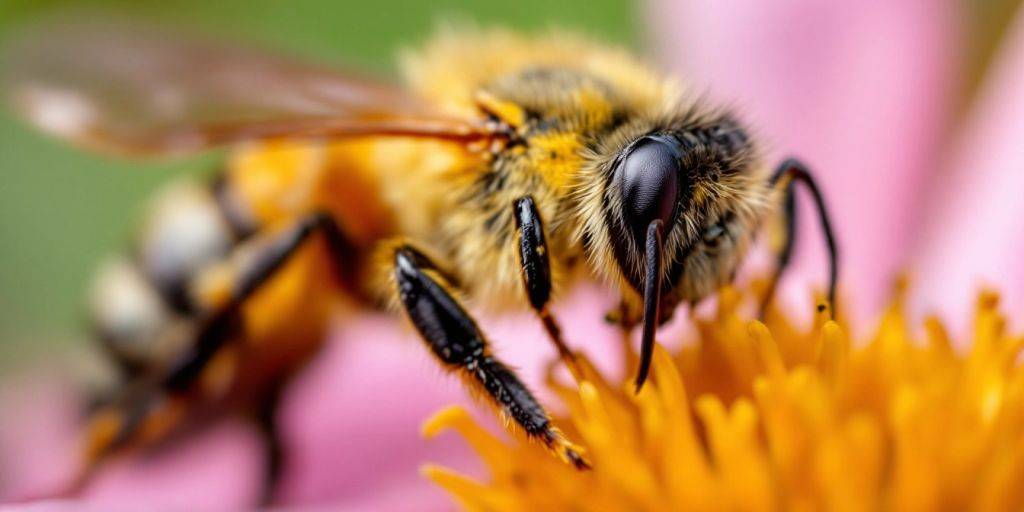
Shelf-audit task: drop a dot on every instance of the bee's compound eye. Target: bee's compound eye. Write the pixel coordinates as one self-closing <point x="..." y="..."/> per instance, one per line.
<point x="649" y="179"/>
<point x="713" y="235"/>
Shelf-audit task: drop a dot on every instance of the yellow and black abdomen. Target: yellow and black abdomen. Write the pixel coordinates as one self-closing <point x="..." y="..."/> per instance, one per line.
<point x="140" y="302"/>
<point x="228" y="288"/>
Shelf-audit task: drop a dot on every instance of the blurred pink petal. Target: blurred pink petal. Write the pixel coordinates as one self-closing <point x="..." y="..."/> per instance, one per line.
<point x="37" y="434"/>
<point x="520" y="340"/>
<point x="859" y="90"/>
<point x="352" y="420"/>
<point x="66" y="506"/>
<point x="217" y="468"/>
<point x="351" y="423"/>
<point x="974" y="224"/>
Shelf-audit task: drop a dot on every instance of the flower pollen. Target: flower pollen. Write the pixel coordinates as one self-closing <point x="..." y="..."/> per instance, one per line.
<point x="772" y="416"/>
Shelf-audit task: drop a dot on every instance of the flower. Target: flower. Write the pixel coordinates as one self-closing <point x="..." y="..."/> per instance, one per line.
<point x="768" y="416"/>
<point x="864" y="91"/>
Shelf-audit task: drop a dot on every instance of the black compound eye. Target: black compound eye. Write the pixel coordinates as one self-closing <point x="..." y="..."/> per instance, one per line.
<point x="650" y="179"/>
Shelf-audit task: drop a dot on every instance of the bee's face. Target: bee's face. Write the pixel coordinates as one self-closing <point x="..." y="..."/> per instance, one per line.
<point x="701" y="180"/>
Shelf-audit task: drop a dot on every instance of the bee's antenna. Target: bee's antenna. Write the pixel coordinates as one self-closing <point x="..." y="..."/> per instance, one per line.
<point x="652" y="299"/>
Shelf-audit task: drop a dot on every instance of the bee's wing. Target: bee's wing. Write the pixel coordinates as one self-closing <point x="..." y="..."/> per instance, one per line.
<point x="134" y="90"/>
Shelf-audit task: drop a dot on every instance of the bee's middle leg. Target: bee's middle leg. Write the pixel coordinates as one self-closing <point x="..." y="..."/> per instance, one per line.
<point x="457" y="342"/>
<point x="536" y="271"/>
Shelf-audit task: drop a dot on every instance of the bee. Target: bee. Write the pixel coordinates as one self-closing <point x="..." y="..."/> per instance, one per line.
<point x="505" y="168"/>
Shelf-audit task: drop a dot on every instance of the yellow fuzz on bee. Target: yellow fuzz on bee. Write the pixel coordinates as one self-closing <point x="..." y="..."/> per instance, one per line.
<point x="769" y="416"/>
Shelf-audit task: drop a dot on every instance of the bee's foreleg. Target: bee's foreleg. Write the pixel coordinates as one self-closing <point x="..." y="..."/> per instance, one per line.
<point x="536" y="270"/>
<point x="784" y="178"/>
<point x="458" y="343"/>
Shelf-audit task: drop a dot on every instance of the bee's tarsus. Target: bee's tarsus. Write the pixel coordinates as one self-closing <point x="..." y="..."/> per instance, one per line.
<point x="577" y="460"/>
<point x="652" y="298"/>
<point x="456" y="340"/>
<point x="565" y="449"/>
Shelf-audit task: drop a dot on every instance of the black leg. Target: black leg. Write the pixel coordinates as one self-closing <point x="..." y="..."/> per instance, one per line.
<point x="786" y="176"/>
<point x="536" y="267"/>
<point x="271" y="255"/>
<point x="266" y="420"/>
<point x="459" y="345"/>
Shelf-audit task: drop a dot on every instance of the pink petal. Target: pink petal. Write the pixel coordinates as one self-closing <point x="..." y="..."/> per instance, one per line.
<point x="216" y="469"/>
<point x="352" y="420"/>
<point x="37" y="434"/>
<point x="520" y="340"/>
<point x="974" y="226"/>
<point x="219" y="468"/>
<point x="858" y="90"/>
<point x="351" y="423"/>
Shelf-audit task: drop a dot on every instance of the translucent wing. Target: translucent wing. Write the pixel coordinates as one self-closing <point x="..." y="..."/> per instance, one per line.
<point x="134" y="90"/>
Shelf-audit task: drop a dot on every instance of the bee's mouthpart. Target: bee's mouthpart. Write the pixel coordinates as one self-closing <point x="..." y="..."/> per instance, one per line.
<point x="654" y="248"/>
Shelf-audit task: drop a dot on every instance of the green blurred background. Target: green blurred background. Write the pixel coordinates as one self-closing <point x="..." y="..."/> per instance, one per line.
<point x="62" y="210"/>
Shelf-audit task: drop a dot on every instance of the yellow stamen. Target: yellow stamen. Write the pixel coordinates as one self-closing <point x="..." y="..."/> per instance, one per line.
<point x="785" y="418"/>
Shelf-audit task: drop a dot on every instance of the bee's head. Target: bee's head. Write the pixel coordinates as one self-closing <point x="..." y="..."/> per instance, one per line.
<point x="681" y="201"/>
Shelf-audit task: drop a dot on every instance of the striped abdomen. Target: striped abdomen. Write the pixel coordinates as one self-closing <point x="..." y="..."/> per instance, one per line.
<point x="140" y="302"/>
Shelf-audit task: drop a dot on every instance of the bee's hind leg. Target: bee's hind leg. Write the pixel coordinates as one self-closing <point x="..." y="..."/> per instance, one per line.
<point x="156" y="403"/>
<point x="785" y="177"/>
<point x="265" y="417"/>
<point x="268" y="254"/>
<point x="536" y="270"/>
<point x="457" y="342"/>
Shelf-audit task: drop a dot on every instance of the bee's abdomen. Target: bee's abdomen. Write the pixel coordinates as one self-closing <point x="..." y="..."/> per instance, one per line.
<point x="184" y="232"/>
<point x="140" y="305"/>
<point x="132" y="319"/>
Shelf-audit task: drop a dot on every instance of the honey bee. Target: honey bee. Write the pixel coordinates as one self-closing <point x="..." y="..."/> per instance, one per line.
<point x="505" y="168"/>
